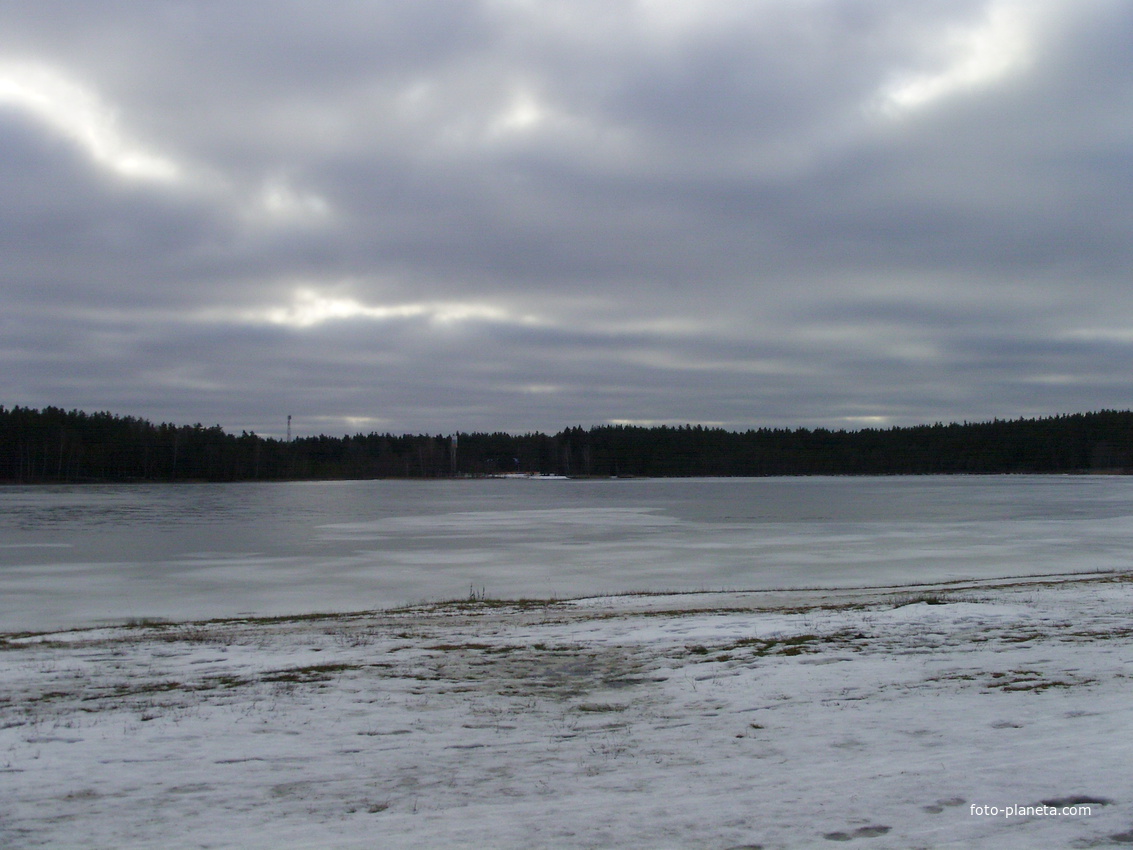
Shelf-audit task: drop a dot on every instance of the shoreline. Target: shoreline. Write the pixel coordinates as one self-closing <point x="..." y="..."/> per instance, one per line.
<point x="677" y="601"/>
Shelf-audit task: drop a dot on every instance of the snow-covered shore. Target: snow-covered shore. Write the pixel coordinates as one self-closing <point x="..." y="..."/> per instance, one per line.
<point x="879" y="717"/>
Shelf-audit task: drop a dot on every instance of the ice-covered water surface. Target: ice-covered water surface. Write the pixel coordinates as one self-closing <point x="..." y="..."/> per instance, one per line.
<point x="73" y="555"/>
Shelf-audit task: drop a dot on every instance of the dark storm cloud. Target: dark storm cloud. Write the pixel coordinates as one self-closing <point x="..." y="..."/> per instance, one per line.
<point x="506" y="214"/>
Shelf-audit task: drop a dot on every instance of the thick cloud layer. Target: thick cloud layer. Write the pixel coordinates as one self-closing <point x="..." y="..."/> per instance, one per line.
<point x="513" y="215"/>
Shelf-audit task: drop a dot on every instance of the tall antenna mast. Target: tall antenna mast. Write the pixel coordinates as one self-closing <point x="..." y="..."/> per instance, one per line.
<point x="289" y="427"/>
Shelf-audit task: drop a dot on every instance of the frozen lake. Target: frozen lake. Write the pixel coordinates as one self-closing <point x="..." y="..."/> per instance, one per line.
<point x="76" y="555"/>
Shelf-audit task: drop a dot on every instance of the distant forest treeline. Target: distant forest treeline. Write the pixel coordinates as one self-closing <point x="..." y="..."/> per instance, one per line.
<point x="57" y="445"/>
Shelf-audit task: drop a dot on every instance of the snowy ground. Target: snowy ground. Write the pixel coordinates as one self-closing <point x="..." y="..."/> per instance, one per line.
<point x="794" y="719"/>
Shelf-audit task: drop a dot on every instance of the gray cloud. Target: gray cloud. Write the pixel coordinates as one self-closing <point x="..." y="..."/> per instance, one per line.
<point x="507" y="215"/>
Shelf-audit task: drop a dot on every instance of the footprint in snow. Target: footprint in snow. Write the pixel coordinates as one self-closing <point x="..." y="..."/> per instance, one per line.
<point x="862" y="832"/>
<point x="938" y="807"/>
<point x="1076" y="800"/>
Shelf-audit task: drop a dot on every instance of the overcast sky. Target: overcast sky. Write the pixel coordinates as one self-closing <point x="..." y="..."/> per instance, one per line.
<point x="518" y="215"/>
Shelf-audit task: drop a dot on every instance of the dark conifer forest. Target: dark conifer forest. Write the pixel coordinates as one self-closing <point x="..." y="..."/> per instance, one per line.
<point x="55" y="445"/>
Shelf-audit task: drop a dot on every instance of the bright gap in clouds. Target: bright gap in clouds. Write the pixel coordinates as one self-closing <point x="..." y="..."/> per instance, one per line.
<point x="280" y="200"/>
<point x="310" y="308"/>
<point x="523" y="114"/>
<point x="80" y="115"/>
<point x="981" y="55"/>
